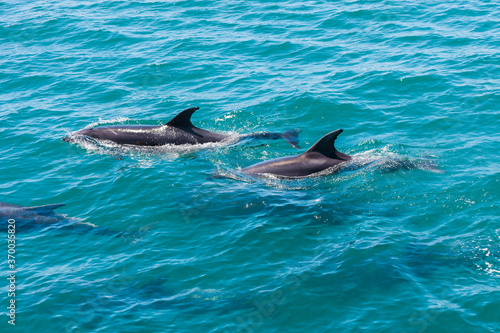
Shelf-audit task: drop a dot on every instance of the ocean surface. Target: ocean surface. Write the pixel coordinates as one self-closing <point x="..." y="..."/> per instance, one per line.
<point x="176" y="239"/>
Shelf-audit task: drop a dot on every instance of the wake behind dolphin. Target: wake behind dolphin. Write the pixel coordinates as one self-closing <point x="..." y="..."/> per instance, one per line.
<point x="178" y="131"/>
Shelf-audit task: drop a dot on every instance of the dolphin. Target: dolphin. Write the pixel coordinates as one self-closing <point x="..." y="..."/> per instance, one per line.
<point x="321" y="156"/>
<point x="27" y="218"/>
<point x="30" y="216"/>
<point x="178" y="131"/>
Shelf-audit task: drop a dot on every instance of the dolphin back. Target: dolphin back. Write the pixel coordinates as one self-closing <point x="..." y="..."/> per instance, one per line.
<point x="46" y="209"/>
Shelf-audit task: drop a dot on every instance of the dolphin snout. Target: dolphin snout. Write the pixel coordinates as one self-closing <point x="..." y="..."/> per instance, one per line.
<point x="66" y="139"/>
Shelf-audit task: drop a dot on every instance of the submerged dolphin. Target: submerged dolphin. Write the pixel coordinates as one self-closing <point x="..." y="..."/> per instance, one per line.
<point x="178" y="131"/>
<point x="322" y="155"/>
<point x="30" y="216"/>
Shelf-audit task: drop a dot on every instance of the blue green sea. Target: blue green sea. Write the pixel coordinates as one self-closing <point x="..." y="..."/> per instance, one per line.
<point x="174" y="239"/>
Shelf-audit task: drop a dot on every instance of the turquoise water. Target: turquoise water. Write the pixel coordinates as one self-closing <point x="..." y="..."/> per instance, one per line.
<point x="375" y="249"/>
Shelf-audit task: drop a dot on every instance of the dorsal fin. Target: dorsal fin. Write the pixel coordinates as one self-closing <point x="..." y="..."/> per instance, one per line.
<point x="326" y="143"/>
<point x="44" y="210"/>
<point x="183" y="119"/>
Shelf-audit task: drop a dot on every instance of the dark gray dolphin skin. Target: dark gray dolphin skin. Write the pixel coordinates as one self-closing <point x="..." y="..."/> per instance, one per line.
<point x="29" y="216"/>
<point x="178" y="131"/>
<point x="322" y="155"/>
